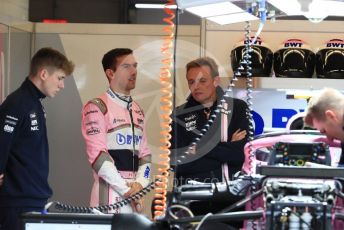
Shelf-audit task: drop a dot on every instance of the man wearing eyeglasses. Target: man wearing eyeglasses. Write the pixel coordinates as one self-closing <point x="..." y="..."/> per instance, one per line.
<point x="114" y="131"/>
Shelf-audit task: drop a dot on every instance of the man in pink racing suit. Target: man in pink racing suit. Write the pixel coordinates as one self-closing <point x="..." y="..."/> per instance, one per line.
<point x="114" y="131"/>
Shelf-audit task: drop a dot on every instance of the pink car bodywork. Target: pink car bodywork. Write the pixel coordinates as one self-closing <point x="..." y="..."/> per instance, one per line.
<point x="251" y="162"/>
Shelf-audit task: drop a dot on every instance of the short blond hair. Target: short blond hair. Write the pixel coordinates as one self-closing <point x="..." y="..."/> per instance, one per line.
<point x="204" y="61"/>
<point x="328" y="98"/>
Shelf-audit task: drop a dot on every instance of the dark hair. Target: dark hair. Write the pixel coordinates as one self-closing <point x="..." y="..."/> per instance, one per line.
<point x="48" y="57"/>
<point x="204" y="61"/>
<point x="109" y="60"/>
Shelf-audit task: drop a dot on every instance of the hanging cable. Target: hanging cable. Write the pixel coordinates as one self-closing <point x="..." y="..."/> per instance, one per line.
<point x="262" y="16"/>
<point x="166" y="111"/>
<point x="102" y="208"/>
<point x="247" y="63"/>
<point x="248" y="67"/>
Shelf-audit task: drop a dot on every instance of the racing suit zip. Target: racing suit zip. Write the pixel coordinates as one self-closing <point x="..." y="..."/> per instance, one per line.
<point x="129" y="101"/>
<point x="132" y="127"/>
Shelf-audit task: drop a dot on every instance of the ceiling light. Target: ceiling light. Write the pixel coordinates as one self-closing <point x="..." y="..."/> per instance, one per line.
<point x="233" y="18"/>
<point x="314" y="10"/>
<point x="317" y="12"/>
<point x="334" y="8"/>
<point x="214" y="9"/>
<point x="219" y="11"/>
<point x="154" y="6"/>
<point x="290" y="7"/>
<point x="183" y="4"/>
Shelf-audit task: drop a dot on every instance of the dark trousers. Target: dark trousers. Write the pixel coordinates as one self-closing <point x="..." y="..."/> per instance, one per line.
<point x="10" y="216"/>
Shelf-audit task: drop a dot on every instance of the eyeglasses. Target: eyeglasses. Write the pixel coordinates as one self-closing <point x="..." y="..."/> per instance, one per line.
<point x="127" y="66"/>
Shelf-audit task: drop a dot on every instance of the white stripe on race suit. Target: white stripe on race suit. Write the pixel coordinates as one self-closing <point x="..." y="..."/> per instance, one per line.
<point x="109" y="173"/>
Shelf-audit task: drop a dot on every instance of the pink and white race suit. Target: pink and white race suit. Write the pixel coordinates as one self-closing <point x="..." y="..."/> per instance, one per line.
<point x="114" y="130"/>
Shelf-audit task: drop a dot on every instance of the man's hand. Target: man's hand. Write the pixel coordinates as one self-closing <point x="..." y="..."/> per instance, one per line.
<point x="137" y="205"/>
<point x="1" y="179"/>
<point x="238" y="135"/>
<point x="134" y="188"/>
<point x="129" y="193"/>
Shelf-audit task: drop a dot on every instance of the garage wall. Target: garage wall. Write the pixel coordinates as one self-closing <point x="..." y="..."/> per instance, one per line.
<point x="14" y="10"/>
<point x="3" y="58"/>
<point x="15" y="53"/>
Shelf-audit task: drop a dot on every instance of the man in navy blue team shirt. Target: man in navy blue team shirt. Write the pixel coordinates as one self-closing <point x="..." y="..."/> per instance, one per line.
<point x="219" y="153"/>
<point x="24" y="154"/>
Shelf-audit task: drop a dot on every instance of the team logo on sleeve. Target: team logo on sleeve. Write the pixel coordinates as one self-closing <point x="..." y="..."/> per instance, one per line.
<point x="139" y="121"/>
<point x="90" y="112"/>
<point x="10" y="122"/>
<point x="8" y="128"/>
<point x="92" y="131"/>
<point x="90" y="123"/>
<point x="139" y="112"/>
<point x="147" y="172"/>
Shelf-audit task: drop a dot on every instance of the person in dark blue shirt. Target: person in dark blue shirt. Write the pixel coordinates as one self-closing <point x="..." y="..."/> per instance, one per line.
<point x="24" y="154"/>
<point x="219" y="152"/>
<point x="223" y="143"/>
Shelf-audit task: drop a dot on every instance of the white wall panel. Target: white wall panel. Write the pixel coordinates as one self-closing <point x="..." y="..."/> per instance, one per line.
<point x="14" y="10"/>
